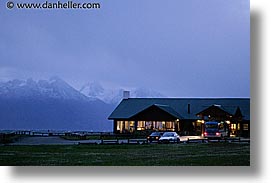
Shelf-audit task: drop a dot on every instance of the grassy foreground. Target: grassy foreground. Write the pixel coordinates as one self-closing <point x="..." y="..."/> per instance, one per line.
<point x="212" y="154"/>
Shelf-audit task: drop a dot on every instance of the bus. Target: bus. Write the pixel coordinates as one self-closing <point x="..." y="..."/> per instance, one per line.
<point x="215" y="130"/>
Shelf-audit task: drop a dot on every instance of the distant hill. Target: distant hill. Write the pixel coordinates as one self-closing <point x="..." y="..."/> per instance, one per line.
<point x="55" y="105"/>
<point x="52" y="104"/>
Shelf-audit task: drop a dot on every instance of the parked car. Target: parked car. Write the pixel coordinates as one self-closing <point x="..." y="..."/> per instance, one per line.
<point x="154" y="136"/>
<point x="168" y="137"/>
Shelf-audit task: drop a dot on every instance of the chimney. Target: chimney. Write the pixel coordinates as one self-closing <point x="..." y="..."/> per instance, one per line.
<point x="126" y="94"/>
<point x="188" y="109"/>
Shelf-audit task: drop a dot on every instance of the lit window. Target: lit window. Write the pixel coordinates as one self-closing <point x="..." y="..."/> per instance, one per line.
<point x="141" y="125"/>
<point x="170" y="125"/>
<point x="233" y="126"/>
<point x="132" y="123"/>
<point x="239" y="126"/>
<point x="245" y="126"/>
<point x="120" y="126"/>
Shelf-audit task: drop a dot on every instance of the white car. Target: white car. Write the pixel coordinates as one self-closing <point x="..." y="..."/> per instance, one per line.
<point x="168" y="137"/>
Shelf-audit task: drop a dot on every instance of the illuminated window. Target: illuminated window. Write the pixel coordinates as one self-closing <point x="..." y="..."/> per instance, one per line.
<point x="132" y="123"/>
<point x="141" y="125"/>
<point x="245" y="126"/>
<point x="159" y="125"/>
<point x="233" y="126"/>
<point x="131" y="126"/>
<point x="170" y="125"/>
<point x="239" y="126"/>
<point x="126" y="125"/>
<point x="120" y="126"/>
<point x="148" y="125"/>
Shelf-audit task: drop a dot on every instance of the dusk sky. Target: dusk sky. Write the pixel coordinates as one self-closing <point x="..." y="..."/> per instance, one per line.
<point x="180" y="48"/>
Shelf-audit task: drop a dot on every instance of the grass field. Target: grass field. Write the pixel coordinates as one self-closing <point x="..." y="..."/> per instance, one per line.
<point x="211" y="154"/>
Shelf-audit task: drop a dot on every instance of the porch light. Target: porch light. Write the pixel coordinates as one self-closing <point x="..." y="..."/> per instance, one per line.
<point x="177" y="120"/>
<point x="200" y="121"/>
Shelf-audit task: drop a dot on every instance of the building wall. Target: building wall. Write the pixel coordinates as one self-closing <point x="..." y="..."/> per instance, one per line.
<point x="183" y="127"/>
<point x="125" y="126"/>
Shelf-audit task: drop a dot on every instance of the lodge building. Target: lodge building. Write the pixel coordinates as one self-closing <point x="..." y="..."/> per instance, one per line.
<point x="183" y="115"/>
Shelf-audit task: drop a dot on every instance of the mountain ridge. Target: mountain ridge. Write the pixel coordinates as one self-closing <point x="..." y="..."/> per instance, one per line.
<point x="55" y="104"/>
<point x="95" y="90"/>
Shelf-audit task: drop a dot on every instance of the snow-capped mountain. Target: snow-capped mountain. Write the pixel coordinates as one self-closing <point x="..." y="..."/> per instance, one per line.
<point x="58" y="88"/>
<point x="52" y="88"/>
<point x="50" y="104"/>
<point x="54" y="104"/>
<point x="95" y="90"/>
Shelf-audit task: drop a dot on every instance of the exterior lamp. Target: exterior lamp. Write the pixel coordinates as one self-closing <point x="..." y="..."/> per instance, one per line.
<point x="200" y="121"/>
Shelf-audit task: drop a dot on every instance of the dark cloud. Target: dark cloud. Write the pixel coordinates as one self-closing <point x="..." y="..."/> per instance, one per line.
<point x="179" y="48"/>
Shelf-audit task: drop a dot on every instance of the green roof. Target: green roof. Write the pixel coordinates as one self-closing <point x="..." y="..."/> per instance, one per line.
<point x="179" y="106"/>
